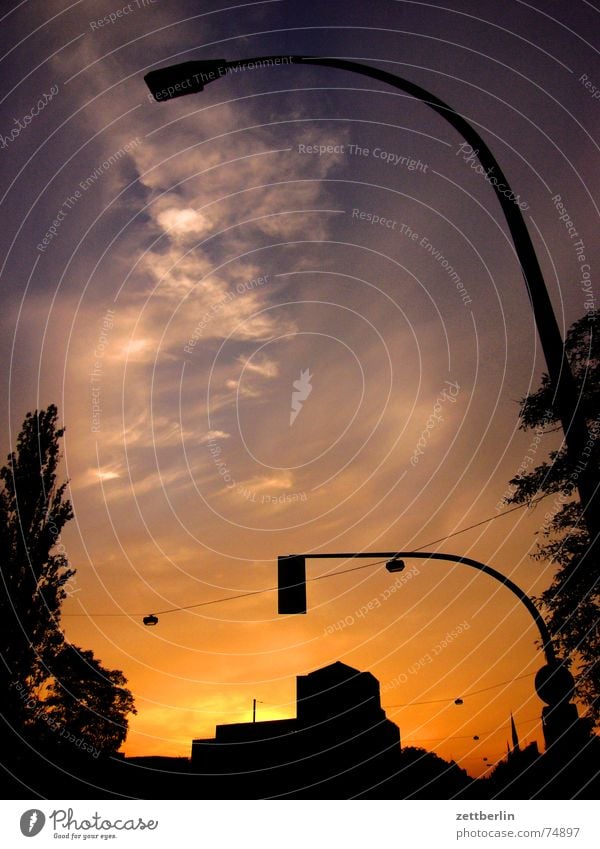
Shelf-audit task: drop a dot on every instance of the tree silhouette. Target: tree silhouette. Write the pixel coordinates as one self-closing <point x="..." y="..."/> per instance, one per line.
<point x="426" y="775"/>
<point x="52" y="690"/>
<point x="87" y="701"/>
<point x="33" y="511"/>
<point x="572" y="599"/>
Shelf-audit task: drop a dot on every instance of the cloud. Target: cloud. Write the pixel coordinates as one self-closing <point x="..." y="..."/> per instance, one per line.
<point x="263" y="483"/>
<point x="245" y="390"/>
<point x="95" y="476"/>
<point x="211" y="435"/>
<point x="179" y="223"/>
<point x="105" y="474"/>
<point x="262" y="367"/>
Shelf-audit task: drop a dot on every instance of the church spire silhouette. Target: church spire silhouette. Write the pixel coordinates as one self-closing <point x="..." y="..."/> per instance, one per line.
<point x="515" y="736"/>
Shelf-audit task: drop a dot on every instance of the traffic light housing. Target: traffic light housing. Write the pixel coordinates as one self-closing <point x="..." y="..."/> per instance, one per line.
<point x="291" y="584"/>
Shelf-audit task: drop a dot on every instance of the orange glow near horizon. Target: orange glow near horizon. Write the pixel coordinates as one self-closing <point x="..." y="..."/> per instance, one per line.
<point x="214" y="660"/>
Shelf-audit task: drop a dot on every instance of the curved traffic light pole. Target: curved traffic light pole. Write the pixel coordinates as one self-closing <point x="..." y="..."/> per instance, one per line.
<point x="553" y="682"/>
<point x="191" y="77"/>
<point x="292" y="582"/>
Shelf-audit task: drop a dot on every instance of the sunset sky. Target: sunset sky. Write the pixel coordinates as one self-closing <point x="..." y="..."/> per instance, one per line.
<point x="201" y="254"/>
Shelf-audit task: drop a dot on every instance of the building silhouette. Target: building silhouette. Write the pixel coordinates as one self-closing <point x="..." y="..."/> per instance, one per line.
<point x="340" y="744"/>
<point x="527" y="774"/>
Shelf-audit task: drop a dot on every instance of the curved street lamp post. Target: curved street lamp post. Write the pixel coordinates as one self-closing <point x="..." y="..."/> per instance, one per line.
<point x="554" y="683"/>
<point x="191" y="77"/>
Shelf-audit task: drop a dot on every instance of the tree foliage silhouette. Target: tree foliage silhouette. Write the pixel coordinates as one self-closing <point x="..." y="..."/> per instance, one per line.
<point x="33" y="511"/>
<point x="87" y="700"/>
<point x="571" y="602"/>
<point x="48" y="684"/>
<point x="426" y="775"/>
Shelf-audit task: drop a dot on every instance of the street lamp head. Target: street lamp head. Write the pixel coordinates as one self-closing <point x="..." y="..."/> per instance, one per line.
<point x="395" y="565"/>
<point x="151" y="619"/>
<point x="184" y="78"/>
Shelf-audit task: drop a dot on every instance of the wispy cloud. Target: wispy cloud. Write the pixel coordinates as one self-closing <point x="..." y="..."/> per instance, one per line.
<point x="263" y="483"/>
<point x="212" y="435"/>
<point x="263" y="367"/>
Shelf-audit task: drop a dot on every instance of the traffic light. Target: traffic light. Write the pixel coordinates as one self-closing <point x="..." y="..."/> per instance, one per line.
<point x="291" y="584"/>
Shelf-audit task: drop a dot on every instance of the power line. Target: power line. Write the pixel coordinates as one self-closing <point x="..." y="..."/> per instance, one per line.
<point x="228" y="597"/>
<point x="453" y="698"/>
<point x="484" y="521"/>
<point x="522" y="722"/>
<point x="319" y="577"/>
<point x="335" y="575"/>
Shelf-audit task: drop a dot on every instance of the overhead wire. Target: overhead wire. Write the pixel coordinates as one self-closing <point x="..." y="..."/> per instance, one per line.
<point x="310" y="580"/>
<point x="529" y="721"/>
<point x="229" y="597"/>
<point x="335" y="575"/>
<point x="463" y="696"/>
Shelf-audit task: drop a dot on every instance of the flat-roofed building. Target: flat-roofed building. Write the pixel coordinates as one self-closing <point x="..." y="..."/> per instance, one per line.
<point x="340" y="743"/>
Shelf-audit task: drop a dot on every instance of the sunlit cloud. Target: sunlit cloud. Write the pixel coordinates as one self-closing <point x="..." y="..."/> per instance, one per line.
<point x="106" y="475"/>
<point x="263" y="483"/>
<point x="183" y="222"/>
<point x="212" y="435"/>
<point x="243" y="389"/>
<point x="138" y="348"/>
<point x="261" y="367"/>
